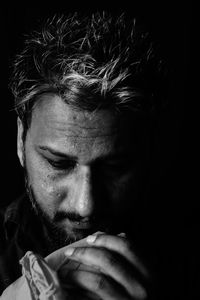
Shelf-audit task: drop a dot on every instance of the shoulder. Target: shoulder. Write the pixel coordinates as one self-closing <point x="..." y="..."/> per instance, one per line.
<point x="10" y="218"/>
<point x="10" y="253"/>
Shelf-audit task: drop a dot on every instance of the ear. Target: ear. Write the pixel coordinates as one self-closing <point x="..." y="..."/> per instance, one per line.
<point x="20" y="142"/>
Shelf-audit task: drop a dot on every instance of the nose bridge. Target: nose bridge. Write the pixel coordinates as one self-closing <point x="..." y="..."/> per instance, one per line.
<point x="84" y="201"/>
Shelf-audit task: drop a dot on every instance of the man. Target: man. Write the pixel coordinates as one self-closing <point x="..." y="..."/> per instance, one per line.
<point x="85" y="91"/>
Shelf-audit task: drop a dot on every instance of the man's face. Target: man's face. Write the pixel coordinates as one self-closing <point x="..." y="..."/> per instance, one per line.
<point x="79" y="167"/>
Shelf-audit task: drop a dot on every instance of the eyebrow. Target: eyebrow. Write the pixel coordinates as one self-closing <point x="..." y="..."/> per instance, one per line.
<point x="112" y="156"/>
<point x="58" y="153"/>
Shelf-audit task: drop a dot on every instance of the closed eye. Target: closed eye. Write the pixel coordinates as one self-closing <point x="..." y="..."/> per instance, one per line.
<point x="62" y="164"/>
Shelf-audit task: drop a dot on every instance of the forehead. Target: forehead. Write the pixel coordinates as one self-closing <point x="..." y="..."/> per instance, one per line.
<point x="54" y="111"/>
<point x="72" y="131"/>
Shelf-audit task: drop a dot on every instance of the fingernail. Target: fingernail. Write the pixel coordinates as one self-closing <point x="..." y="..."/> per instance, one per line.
<point x="91" y="239"/>
<point x="122" y="234"/>
<point x="69" y="251"/>
<point x="98" y="232"/>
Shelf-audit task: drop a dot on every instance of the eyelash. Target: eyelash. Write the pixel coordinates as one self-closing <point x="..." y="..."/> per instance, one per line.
<point x="65" y="165"/>
<point x="68" y="166"/>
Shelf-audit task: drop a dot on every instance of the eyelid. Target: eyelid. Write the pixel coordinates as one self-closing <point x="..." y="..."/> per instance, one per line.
<point x="61" y="164"/>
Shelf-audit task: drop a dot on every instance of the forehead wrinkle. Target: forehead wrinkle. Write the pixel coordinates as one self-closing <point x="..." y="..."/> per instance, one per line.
<point x="74" y="124"/>
<point x="86" y="152"/>
<point x="55" y="122"/>
<point x="75" y="130"/>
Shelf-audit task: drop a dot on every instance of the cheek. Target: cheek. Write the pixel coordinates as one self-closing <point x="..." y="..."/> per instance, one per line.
<point x="43" y="183"/>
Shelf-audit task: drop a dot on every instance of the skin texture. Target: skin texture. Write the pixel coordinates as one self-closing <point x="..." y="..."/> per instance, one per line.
<point x="101" y="266"/>
<point x="90" y="184"/>
<point x="79" y="168"/>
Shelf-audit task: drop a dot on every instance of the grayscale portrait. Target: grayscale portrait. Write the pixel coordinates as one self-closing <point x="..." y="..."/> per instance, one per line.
<point x="95" y="154"/>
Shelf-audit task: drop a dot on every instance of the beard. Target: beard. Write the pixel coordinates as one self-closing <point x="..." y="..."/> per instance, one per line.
<point x="108" y="221"/>
<point x="56" y="237"/>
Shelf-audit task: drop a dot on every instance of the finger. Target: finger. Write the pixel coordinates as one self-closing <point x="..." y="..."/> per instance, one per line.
<point x="57" y="259"/>
<point x="99" y="285"/>
<point x="120" y="245"/>
<point x="99" y="233"/>
<point x="108" y="263"/>
<point x="72" y="266"/>
<point x="122" y="234"/>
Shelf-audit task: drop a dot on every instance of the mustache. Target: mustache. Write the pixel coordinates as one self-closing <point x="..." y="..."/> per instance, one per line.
<point x="74" y="217"/>
<point x="67" y="215"/>
<point x="99" y="220"/>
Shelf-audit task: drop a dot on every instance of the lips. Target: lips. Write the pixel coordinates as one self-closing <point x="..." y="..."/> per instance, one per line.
<point x="89" y="226"/>
<point x="82" y="225"/>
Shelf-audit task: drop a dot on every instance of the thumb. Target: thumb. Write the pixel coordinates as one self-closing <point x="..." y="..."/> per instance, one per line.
<point x="57" y="258"/>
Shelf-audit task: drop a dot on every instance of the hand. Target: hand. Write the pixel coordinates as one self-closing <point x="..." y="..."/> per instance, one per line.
<point x="106" y="267"/>
<point x="60" y="263"/>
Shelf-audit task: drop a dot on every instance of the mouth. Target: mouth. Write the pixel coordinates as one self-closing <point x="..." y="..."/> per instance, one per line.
<point x="81" y="225"/>
<point x="86" y="227"/>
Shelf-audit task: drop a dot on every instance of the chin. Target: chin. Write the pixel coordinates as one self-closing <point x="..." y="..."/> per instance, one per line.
<point x="78" y="234"/>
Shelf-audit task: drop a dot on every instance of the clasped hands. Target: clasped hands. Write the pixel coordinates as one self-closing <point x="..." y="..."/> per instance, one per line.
<point x="100" y="266"/>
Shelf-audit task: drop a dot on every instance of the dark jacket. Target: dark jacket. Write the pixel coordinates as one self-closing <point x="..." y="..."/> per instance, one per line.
<point x="20" y="230"/>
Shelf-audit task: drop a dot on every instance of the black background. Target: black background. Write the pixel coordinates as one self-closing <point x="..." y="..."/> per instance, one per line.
<point x="169" y="23"/>
<point x="176" y="200"/>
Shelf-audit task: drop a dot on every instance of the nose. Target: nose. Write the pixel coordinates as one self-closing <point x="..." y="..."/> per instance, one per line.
<point x="84" y="202"/>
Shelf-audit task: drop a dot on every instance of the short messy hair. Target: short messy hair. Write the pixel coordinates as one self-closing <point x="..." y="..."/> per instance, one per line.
<point x="92" y="62"/>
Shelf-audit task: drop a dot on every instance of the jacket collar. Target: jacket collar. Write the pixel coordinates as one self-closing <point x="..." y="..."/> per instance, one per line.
<point x="16" y="216"/>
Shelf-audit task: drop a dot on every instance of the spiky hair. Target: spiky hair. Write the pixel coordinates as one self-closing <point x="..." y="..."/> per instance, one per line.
<point x="98" y="61"/>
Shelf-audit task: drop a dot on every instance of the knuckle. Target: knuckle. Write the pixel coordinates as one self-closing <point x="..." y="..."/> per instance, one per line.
<point x="100" y="282"/>
<point x="79" y="251"/>
<point x="101" y="238"/>
<point x="110" y="259"/>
